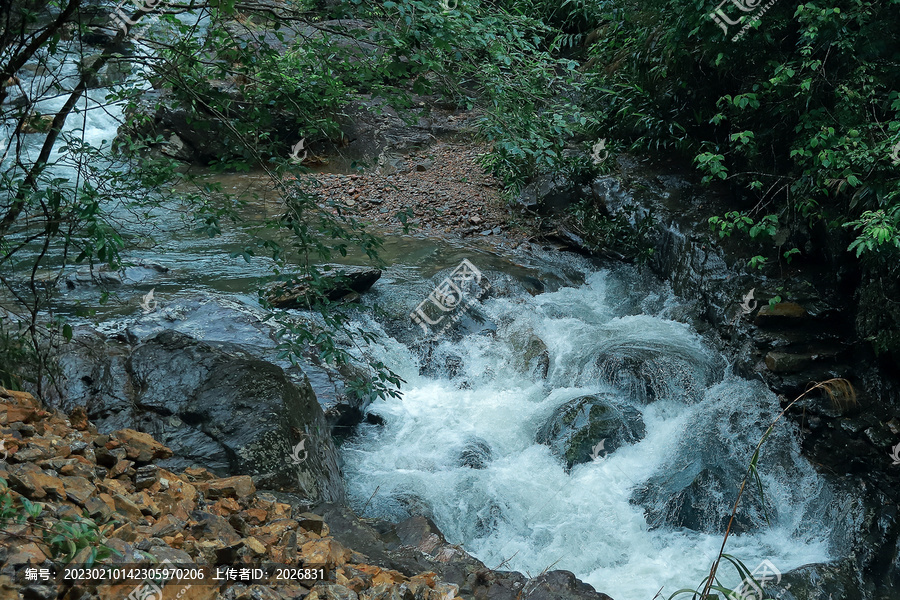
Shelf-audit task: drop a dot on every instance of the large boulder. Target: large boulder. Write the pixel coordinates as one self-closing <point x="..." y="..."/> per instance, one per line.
<point x="588" y="427"/>
<point x="215" y="405"/>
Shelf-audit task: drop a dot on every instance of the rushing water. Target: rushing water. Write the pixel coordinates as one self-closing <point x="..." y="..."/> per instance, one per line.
<point x="523" y="510"/>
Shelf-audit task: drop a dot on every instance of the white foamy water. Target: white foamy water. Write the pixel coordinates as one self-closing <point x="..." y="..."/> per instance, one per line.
<point x="524" y="510"/>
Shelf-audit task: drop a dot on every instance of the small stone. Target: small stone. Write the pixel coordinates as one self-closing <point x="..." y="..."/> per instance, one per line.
<point x="168" y="525"/>
<point x="122" y="468"/>
<point x="225" y="507"/>
<point x="37" y="591"/>
<point x="78" y="489"/>
<point x="254" y="545"/>
<point x="198" y="474"/>
<point x="126" y="533"/>
<point x="146" y="504"/>
<point x="255" y="516"/>
<point x="79" y="419"/>
<point x="311" y="522"/>
<point x="146" y="476"/>
<point x="126" y="507"/>
<point x="33" y="483"/>
<point x="213" y="527"/>
<point x="781" y="313"/>
<point x="79" y="447"/>
<point x="239" y="486"/>
<point x="29" y="553"/>
<point x="325" y="552"/>
<point x="784" y="362"/>
<point x="98" y="509"/>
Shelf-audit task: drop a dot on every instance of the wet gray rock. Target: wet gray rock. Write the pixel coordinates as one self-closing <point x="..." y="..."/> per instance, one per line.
<point x="697" y="485"/>
<point x="532" y="357"/>
<point x="651" y="370"/>
<point x="821" y="581"/>
<point x="215" y="405"/>
<point x="416" y="545"/>
<point x="559" y="585"/>
<point x="588" y="427"/>
<point x="697" y="498"/>
<point x="137" y="273"/>
<point x="549" y="193"/>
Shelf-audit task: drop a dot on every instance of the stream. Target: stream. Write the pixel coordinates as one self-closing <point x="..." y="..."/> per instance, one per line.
<point x="460" y="446"/>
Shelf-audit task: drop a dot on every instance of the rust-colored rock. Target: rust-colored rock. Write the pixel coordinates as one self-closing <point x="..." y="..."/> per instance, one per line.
<point x="780" y="314"/>
<point x="239" y="486"/>
<point x="78" y="489"/>
<point x="140" y="447"/>
<point x="380" y="576"/>
<point x="327" y="552"/>
<point x="255" y="516"/>
<point x="254" y="545"/>
<point x="27" y="553"/>
<point x="33" y="483"/>
<point x="79" y="418"/>
<point x="127" y="508"/>
<point x="225" y="507"/>
<point x="111" y="478"/>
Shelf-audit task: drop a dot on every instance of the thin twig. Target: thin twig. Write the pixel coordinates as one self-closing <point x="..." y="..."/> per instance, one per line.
<point x="370" y="499"/>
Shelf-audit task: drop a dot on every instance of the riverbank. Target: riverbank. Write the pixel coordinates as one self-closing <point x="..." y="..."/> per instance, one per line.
<point x="440" y="189"/>
<point x="71" y="492"/>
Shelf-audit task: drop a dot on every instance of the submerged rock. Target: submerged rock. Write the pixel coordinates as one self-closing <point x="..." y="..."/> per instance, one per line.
<point x="336" y="285"/>
<point x="476" y="454"/>
<point x="649" y="374"/>
<point x="588" y="427"/>
<point x="697" y="497"/>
